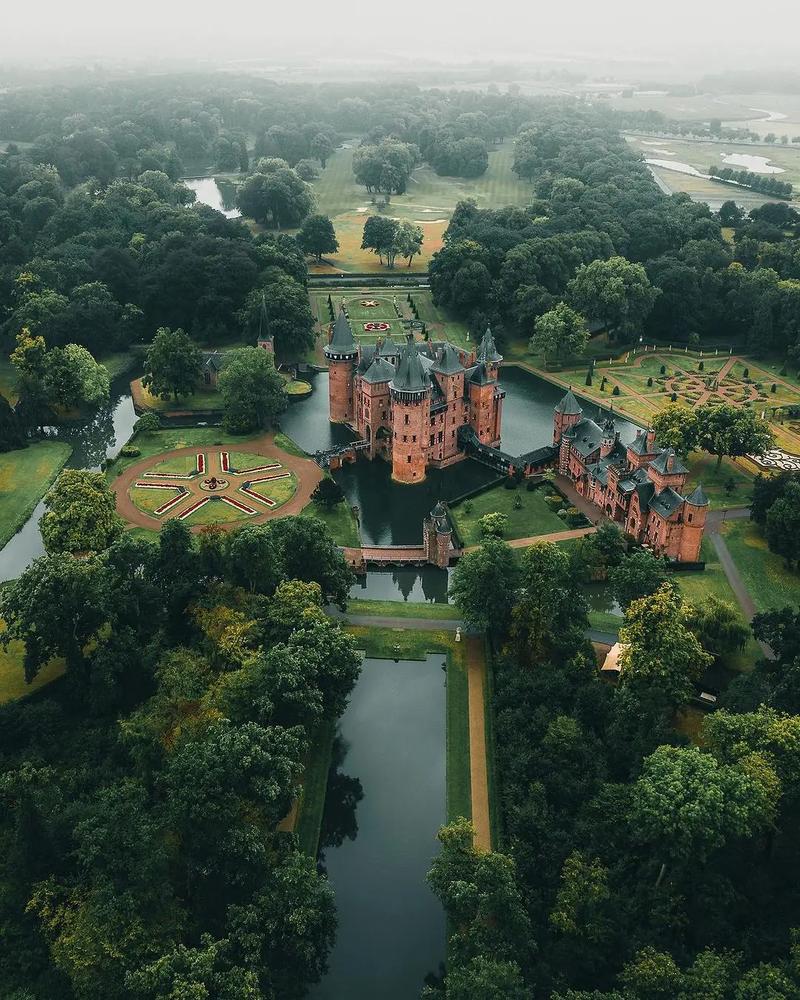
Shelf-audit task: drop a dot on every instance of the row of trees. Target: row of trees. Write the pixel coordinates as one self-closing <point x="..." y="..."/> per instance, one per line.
<point x="721" y="430"/>
<point x="631" y="864"/>
<point x="392" y="238"/>
<point x="765" y="183"/>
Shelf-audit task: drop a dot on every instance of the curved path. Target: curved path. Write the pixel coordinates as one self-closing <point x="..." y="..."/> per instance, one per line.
<point x="308" y="474"/>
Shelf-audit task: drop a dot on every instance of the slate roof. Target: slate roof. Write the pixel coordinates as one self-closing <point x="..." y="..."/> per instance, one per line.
<point x="411" y="374"/>
<point x="639" y="444"/>
<point x="342" y="341"/>
<point x="666" y="502"/>
<point x="478" y="375"/>
<point x="214" y="360"/>
<point x="587" y="437"/>
<point x="379" y="371"/>
<point x="698" y="497"/>
<point x="449" y="363"/>
<point x="388" y="348"/>
<point x="660" y="463"/>
<point x="366" y="357"/>
<point x="488" y="349"/>
<point x="569" y="404"/>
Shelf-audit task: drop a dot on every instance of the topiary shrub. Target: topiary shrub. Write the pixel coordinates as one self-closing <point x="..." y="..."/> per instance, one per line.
<point x="674" y="397"/>
<point x="746" y="373"/>
<point x="701" y="366"/>
<point x="663" y="369"/>
<point x="493" y="525"/>
<point x="130" y="452"/>
<point x="616" y="391"/>
<point x="574" y="516"/>
<point x="773" y="387"/>
<point x="650" y="382"/>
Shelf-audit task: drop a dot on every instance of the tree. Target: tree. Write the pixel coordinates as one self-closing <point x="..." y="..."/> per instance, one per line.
<point x="317" y="236"/>
<point x="615" y="291"/>
<point x="729" y="430"/>
<point x="321" y="148"/>
<point x="328" y="493"/>
<point x="718" y="626"/>
<point x="174" y="364"/>
<point x="54" y="607"/>
<point x="380" y="236"/>
<point x="386" y="166"/>
<point x="493" y="525"/>
<point x="561" y="332"/>
<point x="657" y="648"/>
<point x="637" y="575"/>
<point x="74" y="379"/>
<point x="12" y="433"/>
<point x="408" y="240"/>
<point x="280" y="309"/>
<point x="686" y="804"/>
<point x="766" y="490"/>
<point x="275" y="194"/>
<point x="483" y="586"/>
<point x="81" y="513"/>
<point x="676" y="426"/>
<point x="253" y="393"/>
<point x="308" y="552"/>
<point x="782" y="529"/>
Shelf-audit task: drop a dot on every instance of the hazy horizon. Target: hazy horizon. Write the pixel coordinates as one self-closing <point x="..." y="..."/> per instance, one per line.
<point x="690" y="37"/>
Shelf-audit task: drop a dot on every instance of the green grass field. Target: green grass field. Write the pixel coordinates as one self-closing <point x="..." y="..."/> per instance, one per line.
<point x="12" y="672"/>
<point x="177" y="465"/>
<point x="217" y="512"/>
<point x="25" y="476"/>
<point x="770" y="584"/>
<point x="340" y="522"/>
<point x="149" y="500"/>
<point x="403" y="609"/>
<point x="203" y="399"/>
<point x="167" y="439"/>
<point x="533" y="518"/>
<point x="281" y="490"/>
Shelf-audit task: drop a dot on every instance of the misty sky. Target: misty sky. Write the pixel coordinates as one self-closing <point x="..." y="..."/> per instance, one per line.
<point x="53" y="31"/>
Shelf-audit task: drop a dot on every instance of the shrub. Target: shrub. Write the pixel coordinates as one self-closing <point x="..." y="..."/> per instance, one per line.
<point x="615" y="391"/>
<point x="701" y="366"/>
<point x="674" y="397"/>
<point x="517" y="502"/>
<point x="773" y="387"/>
<point x="650" y="381"/>
<point x="554" y="501"/>
<point x="574" y="516"/>
<point x="510" y="483"/>
<point x="468" y="507"/>
<point x="493" y="525"/>
<point x="746" y="373"/>
<point x="663" y="369"/>
<point x="128" y="451"/>
<point x="147" y="423"/>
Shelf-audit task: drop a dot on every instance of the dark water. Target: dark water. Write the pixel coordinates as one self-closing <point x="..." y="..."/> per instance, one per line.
<point x="600" y="598"/>
<point x="406" y="583"/>
<point x="391" y="927"/>
<point x="93" y="439"/>
<point x="392" y="514"/>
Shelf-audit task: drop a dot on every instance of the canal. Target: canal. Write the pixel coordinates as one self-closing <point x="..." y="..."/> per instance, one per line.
<point x="391" y="927"/>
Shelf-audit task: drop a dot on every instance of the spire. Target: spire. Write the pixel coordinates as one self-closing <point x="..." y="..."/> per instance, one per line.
<point x="487" y="351"/>
<point x="698" y="498"/>
<point x="569" y="404"/>
<point x="449" y="363"/>
<point x="411" y="375"/>
<point x="262" y="317"/>
<point x="342" y="341"/>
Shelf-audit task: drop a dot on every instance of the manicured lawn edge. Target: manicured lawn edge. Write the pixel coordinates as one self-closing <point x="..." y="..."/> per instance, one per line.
<point x="20" y="514"/>
<point x="340" y="520"/>
<point x="285" y="443"/>
<point x="402" y="609"/>
<point x="315" y="782"/>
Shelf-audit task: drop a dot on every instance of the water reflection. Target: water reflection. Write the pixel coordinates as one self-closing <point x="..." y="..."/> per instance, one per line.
<point x="342" y="795"/>
<point x="419" y="584"/>
<point x="218" y="193"/>
<point x="391" y="928"/>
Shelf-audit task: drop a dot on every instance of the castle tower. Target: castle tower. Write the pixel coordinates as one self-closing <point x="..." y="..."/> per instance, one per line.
<point x="437" y="532"/>
<point x="694" y="521"/>
<point x="566" y="414"/>
<point x="449" y="373"/>
<point x="411" y="409"/>
<point x="341" y="352"/>
<point x="609" y="438"/>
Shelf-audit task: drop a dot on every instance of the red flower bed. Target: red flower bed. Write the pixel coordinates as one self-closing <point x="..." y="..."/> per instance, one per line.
<point x="376" y="327"/>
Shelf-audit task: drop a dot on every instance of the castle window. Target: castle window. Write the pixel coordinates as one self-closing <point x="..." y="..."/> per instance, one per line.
<point x="405" y="438"/>
<point x="689" y="518"/>
<point x="406" y="419"/>
<point x="408" y="459"/>
<point x="414" y="438"/>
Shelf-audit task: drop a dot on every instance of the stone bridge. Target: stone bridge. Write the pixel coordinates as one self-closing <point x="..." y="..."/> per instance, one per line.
<point x="334" y="458"/>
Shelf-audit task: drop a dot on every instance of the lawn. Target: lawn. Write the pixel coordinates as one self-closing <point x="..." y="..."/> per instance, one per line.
<point x="279" y="490"/>
<point x="770" y="584"/>
<point x="533" y="518"/>
<point x="168" y="439"/>
<point x="340" y="521"/>
<point x="177" y="465"/>
<point x="403" y="609"/>
<point x="242" y="462"/>
<point x="429" y="202"/>
<point x="703" y="469"/>
<point x="290" y="447"/>
<point x="12" y="673"/>
<point x="217" y="512"/>
<point x="204" y="399"/>
<point x="149" y="500"/>
<point x="410" y="645"/>
<point x="25" y="476"/>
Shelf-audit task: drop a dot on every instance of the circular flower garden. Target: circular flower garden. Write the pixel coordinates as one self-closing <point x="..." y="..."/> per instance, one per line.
<point x="376" y="327"/>
<point x="212" y="486"/>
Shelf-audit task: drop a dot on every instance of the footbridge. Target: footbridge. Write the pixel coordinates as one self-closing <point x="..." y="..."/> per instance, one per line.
<point x="527" y="465"/>
<point x="334" y="458"/>
<point x="387" y="555"/>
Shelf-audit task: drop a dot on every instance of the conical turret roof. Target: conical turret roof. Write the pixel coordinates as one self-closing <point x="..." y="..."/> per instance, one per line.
<point x="569" y="404"/>
<point x="488" y="349"/>
<point x="449" y="363"/>
<point x="342" y="341"/>
<point x="698" y="498"/>
<point x="411" y="375"/>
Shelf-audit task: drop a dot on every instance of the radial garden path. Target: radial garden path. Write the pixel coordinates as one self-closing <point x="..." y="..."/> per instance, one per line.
<point x="307" y="474"/>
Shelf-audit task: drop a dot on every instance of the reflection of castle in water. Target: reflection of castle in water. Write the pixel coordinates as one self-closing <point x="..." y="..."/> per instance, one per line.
<point x="409" y="403"/>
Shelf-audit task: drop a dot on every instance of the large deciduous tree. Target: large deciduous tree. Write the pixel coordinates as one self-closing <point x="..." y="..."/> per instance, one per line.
<point x="253" y="393"/>
<point x="317" y="236"/>
<point x="275" y="195"/>
<point x="74" y="378"/>
<point x="732" y="431"/>
<point x="81" y="513"/>
<point x="560" y="333"/>
<point x="676" y="427"/>
<point x="279" y="309"/>
<point x="615" y="291"/>
<point x="174" y="364"/>
<point x="484" y="584"/>
<point x="637" y="575"/>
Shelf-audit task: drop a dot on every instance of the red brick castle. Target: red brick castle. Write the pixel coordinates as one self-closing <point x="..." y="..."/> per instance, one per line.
<point x="408" y="401"/>
<point x="640" y="485"/>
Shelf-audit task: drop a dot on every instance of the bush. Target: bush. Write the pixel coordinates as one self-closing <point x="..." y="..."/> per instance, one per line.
<point x="574" y="516"/>
<point x="468" y="507"/>
<point x="663" y="369"/>
<point x="510" y="483"/>
<point x="650" y="382"/>
<point x="147" y="423"/>
<point x="773" y="387"/>
<point x="517" y="502"/>
<point x="493" y="525"/>
<point x="674" y="397"/>
<point x="616" y="391"/>
<point x="701" y="366"/>
<point x="128" y="451"/>
<point x="554" y="501"/>
<point x="746" y="373"/>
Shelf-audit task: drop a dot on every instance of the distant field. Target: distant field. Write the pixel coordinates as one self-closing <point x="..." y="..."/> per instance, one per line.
<point x="749" y="111"/>
<point x="429" y="202"/>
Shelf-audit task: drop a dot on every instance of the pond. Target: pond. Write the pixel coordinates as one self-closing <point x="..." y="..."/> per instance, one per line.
<point x="391" y="927"/>
<point x="756" y="164"/>
<point x="93" y="439"/>
<point x="420" y="584"/>
<point x="392" y="514"/>
<point x="217" y="193"/>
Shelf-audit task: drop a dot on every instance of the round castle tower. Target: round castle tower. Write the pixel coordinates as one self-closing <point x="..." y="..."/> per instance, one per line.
<point x="411" y="409"/>
<point x="342" y="354"/>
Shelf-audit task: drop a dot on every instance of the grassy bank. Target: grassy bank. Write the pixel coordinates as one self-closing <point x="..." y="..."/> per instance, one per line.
<point x="315" y="781"/>
<point x="12" y="672"/>
<point x="25" y="476"/>
<point x="770" y="583"/>
<point x="340" y="520"/>
<point x="403" y="609"/>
